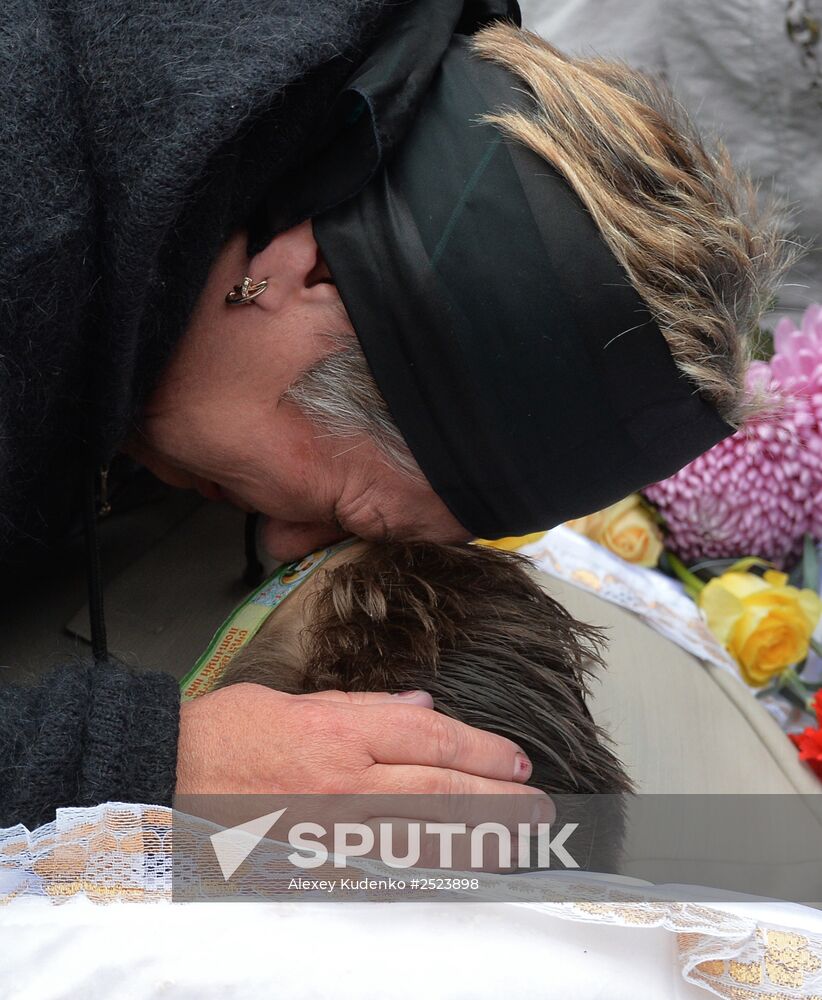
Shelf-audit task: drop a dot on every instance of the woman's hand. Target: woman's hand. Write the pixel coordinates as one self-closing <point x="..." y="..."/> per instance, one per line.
<point x="250" y="739"/>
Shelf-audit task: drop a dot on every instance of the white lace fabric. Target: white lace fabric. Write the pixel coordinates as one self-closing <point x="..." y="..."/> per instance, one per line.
<point x="121" y="853"/>
<point x="115" y="851"/>
<point x="657" y="599"/>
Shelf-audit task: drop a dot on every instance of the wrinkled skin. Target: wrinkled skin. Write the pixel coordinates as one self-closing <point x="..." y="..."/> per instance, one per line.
<point x="217" y="421"/>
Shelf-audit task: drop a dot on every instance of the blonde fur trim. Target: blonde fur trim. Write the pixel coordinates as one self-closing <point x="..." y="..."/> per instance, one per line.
<point x="687" y="228"/>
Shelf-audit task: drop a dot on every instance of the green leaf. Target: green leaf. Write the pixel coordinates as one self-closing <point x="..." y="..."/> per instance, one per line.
<point x="743" y="565"/>
<point x="762" y="345"/>
<point x="693" y="585"/>
<point x="652" y="512"/>
<point x="792" y="688"/>
<point x="810" y="564"/>
<point x="716" y="567"/>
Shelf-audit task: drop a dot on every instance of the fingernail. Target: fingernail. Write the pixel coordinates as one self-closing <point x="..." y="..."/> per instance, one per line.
<point x="544" y="811"/>
<point x="416" y="699"/>
<point x="522" y="766"/>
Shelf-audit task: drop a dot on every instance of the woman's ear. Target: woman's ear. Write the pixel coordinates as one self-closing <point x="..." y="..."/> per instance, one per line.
<point x="294" y="268"/>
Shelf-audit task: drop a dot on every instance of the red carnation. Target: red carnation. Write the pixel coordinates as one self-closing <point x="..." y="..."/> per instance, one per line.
<point x="809" y="743"/>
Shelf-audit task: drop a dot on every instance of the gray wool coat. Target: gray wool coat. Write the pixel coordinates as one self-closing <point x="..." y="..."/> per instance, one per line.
<point x="134" y="138"/>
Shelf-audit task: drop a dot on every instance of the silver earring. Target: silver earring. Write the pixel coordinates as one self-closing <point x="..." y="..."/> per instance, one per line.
<point x="241" y="295"/>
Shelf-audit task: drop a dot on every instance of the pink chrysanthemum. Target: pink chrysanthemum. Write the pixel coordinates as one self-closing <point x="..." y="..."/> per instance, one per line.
<point x="759" y="491"/>
<point x="796" y="364"/>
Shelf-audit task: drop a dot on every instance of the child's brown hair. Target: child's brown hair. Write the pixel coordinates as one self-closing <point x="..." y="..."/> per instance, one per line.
<point x="470" y="625"/>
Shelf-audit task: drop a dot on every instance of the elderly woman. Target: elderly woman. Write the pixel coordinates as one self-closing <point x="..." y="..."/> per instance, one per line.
<point x="401" y="271"/>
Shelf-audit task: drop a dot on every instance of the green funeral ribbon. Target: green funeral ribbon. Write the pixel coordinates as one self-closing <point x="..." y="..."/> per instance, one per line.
<point x="246" y="620"/>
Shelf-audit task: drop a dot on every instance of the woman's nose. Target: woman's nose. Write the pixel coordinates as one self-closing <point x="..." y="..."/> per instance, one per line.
<point x="289" y="540"/>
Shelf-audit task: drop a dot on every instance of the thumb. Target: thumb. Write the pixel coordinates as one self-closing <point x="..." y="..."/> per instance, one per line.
<point x="421" y="699"/>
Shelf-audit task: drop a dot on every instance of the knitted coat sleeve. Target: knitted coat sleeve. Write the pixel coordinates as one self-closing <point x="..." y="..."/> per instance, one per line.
<point x="85" y="734"/>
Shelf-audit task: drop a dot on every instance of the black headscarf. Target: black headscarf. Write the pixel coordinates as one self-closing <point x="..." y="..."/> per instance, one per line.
<point x="524" y="371"/>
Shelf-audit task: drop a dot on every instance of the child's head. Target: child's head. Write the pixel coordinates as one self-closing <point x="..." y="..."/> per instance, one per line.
<point x="466" y="623"/>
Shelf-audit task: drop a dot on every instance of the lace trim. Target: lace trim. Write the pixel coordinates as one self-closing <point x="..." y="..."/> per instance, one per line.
<point x="121" y="852"/>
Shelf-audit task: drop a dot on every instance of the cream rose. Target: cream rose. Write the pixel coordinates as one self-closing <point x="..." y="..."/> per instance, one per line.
<point x="627" y="528"/>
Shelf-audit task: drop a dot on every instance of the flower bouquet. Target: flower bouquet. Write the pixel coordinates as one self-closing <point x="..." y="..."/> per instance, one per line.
<point x="740" y="525"/>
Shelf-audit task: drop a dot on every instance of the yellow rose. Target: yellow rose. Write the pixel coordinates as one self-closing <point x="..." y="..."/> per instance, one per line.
<point x="511" y="543"/>
<point x="626" y="528"/>
<point x="765" y="624"/>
